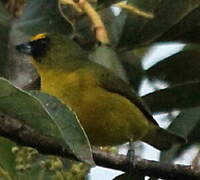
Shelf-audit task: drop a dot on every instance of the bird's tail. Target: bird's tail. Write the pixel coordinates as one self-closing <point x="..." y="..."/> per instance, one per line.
<point x="162" y="139"/>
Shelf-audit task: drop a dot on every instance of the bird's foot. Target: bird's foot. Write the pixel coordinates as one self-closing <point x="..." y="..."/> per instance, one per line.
<point x="132" y="158"/>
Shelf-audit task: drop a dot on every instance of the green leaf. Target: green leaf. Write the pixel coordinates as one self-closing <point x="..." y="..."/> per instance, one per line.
<point x="167" y="13"/>
<point x="173" y="98"/>
<point x="69" y="126"/>
<point x="47" y="115"/>
<point x="4" y="36"/>
<point x="85" y="35"/>
<point x="187" y="61"/>
<point x="107" y="57"/>
<point x="185" y="124"/>
<point x="114" y="24"/>
<point x="186" y="30"/>
<point x="194" y="136"/>
<point x="7" y="158"/>
<point x="131" y="61"/>
<point x="39" y="16"/>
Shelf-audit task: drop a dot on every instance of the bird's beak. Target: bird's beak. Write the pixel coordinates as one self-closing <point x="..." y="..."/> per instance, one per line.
<point x="25" y="48"/>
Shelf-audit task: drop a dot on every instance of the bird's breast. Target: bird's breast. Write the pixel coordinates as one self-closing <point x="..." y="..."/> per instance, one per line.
<point x="107" y="117"/>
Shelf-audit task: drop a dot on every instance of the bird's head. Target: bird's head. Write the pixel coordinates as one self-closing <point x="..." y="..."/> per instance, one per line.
<point x="51" y="49"/>
<point x="37" y="46"/>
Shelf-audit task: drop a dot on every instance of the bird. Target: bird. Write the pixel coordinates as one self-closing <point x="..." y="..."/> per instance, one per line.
<point x="108" y="108"/>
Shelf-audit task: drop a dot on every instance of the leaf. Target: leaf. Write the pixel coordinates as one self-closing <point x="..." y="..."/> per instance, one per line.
<point x="40" y="16"/>
<point x="69" y="126"/>
<point x="107" y="57"/>
<point x="114" y="24"/>
<point x="186" y="30"/>
<point x="194" y="136"/>
<point x="4" y="33"/>
<point x="132" y="64"/>
<point x="187" y="61"/>
<point x="143" y="31"/>
<point x="185" y="124"/>
<point x="7" y="158"/>
<point x="47" y="115"/>
<point x="173" y="98"/>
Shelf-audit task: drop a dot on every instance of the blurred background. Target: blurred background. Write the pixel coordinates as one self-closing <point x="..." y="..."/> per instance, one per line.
<point x="154" y="48"/>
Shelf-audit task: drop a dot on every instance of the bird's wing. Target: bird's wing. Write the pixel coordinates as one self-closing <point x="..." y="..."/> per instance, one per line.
<point x="116" y="85"/>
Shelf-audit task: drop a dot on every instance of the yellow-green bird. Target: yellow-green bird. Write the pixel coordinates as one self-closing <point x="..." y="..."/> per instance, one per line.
<point x="108" y="108"/>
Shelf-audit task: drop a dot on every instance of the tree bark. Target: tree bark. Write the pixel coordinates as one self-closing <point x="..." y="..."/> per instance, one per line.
<point x="22" y="134"/>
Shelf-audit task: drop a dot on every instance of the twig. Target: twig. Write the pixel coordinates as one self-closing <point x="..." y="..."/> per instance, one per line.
<point x="98" y="25"/>
<point x="134" y="9"/>
<point x="63" y="14"/>
<point x="17" y="131"/>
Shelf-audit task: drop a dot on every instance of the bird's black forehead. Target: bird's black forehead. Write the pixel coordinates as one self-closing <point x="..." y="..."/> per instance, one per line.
<point x="39" y="46"/>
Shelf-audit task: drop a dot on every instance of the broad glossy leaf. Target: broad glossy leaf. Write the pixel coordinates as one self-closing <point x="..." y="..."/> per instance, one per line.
<point x="186" y="30"/>
<point x="40" y="16"/>
<point x="107" y="57"/>
<point x="7" y="158"/>
<point x="173" y="98"/>
<point x="167" y="13"/>
<point x="69" y="126"/>
<point x="133" y="66"/>
<point x="113" y="24"/>
<point x="47" y="115"/>
<point x="187" y="123"/>
<point x="194" y="136"/>
<point x="186" y="62"/>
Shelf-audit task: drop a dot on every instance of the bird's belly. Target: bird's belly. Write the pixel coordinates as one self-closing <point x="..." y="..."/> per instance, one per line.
<point x="108" y="118"/>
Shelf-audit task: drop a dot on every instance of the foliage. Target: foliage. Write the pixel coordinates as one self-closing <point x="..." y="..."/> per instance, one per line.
<point x="131" y="36"/>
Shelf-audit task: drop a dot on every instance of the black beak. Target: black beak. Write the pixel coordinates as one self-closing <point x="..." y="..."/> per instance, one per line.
<point x="35" y="48"/>
<point x="25" y="48"/>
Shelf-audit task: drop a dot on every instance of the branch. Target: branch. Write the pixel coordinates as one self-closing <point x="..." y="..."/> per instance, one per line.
<point x="134" y="10"/>
<point x="97" y="23"/>
<point x="23" y="134"/>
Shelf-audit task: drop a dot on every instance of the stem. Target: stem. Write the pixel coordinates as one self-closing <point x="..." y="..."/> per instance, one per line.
<point x="134" y="9"/>
<point x="98" y="25"/>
